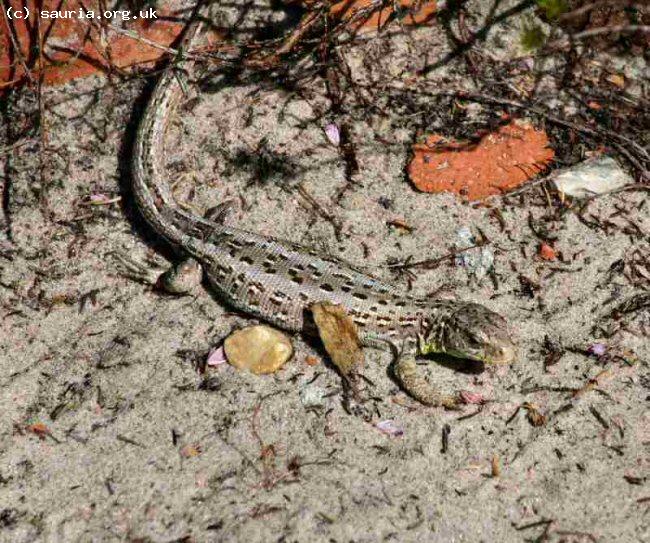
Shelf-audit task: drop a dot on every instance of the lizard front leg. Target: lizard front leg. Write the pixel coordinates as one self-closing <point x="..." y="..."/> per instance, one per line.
<point x="407" y="373"/>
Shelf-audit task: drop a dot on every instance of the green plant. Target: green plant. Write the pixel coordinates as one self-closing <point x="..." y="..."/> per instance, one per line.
<point x="532" y="36"/>
<point x="553" y="8"/>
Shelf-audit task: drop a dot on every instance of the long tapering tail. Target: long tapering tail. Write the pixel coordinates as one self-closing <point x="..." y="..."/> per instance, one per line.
<point x="150" y="186"/>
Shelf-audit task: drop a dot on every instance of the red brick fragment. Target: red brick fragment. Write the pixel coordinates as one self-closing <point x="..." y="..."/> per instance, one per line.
<point x="418" y="13"/>
<point x="546" y="252"/>
<point x="500" y="161"/>
<point x="74" y="46"/>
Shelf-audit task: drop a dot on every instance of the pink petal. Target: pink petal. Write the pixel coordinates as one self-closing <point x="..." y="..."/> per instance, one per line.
<point x="471" y="397"/>
<point x="216" y="357"/>
<point x="333" y="134"/>
<point x="98" y="198"/>
<point x="527" y="64"/>
<point x="597" y="349"/>
<point x="390" y="428"/>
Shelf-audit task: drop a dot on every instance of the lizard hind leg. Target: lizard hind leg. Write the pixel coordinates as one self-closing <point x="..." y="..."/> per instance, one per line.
<point x="181" y="278"/>
<point x="407" y="373"/>
<point x="185" y="276"/>
<point x="221" y="213"/>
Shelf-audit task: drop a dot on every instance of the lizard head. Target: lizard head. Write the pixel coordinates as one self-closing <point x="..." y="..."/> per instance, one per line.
<point x="472" y="332"/>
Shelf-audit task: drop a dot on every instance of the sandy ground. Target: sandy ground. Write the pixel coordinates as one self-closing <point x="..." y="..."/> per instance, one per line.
<point x="141" y="447"/>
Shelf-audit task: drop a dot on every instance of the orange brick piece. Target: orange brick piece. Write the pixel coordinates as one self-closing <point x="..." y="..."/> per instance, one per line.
<point x="418" y="12"/>
<point x="73" y="46"/>
<point x="546" y="252"/>
<point x="500" y="161"/>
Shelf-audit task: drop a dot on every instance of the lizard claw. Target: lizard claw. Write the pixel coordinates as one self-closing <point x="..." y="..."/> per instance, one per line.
<point x="221" y="213"/>
<point x="137" y="271"/>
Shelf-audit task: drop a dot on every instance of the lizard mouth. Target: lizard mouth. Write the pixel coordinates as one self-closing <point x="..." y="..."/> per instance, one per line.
<point x="492" y="355"/>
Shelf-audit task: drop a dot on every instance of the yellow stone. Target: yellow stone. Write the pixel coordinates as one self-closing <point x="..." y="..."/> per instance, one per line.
<point x="258" y="349"/>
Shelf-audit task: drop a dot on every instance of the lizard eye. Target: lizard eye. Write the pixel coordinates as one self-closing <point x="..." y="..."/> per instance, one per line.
<point x="477" y="340"/>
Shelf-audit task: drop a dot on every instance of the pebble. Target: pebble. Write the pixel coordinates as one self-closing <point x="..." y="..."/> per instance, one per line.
<point x="592" y="177"/>
<point x="258" y="349"/>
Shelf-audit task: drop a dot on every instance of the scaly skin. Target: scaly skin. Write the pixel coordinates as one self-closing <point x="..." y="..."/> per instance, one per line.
<point x="278" y="281"/>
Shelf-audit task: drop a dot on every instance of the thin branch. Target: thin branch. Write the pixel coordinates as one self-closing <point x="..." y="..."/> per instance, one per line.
<point x="599" y="31"/>
<point x="16" y="47"/>
<point x="617" y="140"/>
<point x="589" y="7"/>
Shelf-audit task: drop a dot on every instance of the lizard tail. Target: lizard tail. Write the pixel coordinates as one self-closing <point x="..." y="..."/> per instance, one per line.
<point x="151" y="189"/>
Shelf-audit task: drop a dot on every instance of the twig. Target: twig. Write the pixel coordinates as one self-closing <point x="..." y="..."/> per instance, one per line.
<point x="432" y="262"/>
<point x="619" y="141"/>
<point x="589" y="7"/>
<point x="599" y="31"/>
<point x="16" y="47"/>
<point x="134" y="35"/>
<point x="305" y="25"/>
<point x="16" y="145"/>
<point x="42" y="126"/>
<point x="320" y="210"/>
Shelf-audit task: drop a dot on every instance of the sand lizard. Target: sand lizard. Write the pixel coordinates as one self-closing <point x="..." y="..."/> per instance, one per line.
<point x="278" y="280"/>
